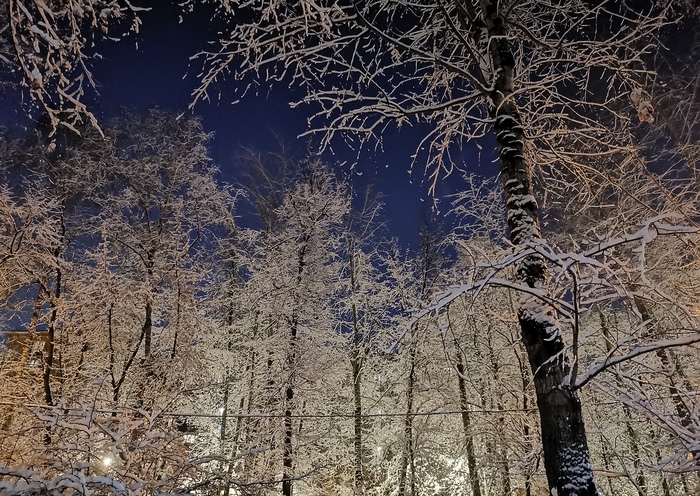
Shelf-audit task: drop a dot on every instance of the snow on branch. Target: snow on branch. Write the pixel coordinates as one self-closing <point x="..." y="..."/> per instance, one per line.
<point x="685" y="435"/>
<point x="600" y="282"/>
<point x="46" y="41"/>
<point x="25" y="482"/>
<point x="611" y="360"/>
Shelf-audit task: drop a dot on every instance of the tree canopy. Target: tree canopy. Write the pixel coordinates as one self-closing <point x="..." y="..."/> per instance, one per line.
<point x="163" y="345"/>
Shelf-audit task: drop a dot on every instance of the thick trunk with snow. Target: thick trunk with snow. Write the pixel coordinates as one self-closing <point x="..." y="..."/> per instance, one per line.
<point x="566" y="456"/>
<point x="567" y="461"/>
<point x="564" y="443"/>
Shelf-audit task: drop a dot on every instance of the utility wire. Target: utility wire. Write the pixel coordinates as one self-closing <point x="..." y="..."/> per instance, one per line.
<point x="344" y="415"/>
<point x="318" y="416"/>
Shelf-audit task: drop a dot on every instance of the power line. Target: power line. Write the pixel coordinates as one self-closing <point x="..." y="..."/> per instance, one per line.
<point x="261" y="415"/>
<point x="345" y="415"/>
<point x="279" y="415"/>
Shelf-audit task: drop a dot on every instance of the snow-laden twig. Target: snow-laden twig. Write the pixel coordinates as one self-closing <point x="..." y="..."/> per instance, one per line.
<point x="563" y="262"/>
<point x="25" y="482"/>
<point x="610" y="360"/>
<point x="687" y="437"/>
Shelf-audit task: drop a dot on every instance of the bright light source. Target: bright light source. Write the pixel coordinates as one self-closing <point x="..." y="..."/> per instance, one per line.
<point x="107" y="460"/>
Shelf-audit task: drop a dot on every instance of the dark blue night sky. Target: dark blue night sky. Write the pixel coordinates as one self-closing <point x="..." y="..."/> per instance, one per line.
<point x="153" y="69"/>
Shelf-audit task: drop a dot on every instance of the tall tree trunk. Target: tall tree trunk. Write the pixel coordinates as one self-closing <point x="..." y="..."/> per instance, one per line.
<point x="672" y="370"/>
<point x="148" y="321"/>
<point x="147" y="333"/>
<point x="51" y="344"/>
<point x="501" y="433"/>
<point x="50" y="350"/>
<point x="566" y="456"/>
<point x="251" y="428"/>
<point x="408" y="454"/>
<point x="178" y="313"/>
<point x="507" y="489"/>
<point x="288" y="449"/>
<point x="466" y="426"/>
<point x="53" y="302"/>
<point x="227" y="465"/>
<point x="633" y="435"/>
<point x="117" y="383"/>
<point x="223" y="435"/>
<point x="356" y="360"/>
<point x="34" y="324"/>
<point x="244" y="407"/>
<point x="605" y="455"/>
<point x="238" y="429"/>
<point x="525" y="376"/>
<point x="358" y="482"/>
<point x="48" y="368"/>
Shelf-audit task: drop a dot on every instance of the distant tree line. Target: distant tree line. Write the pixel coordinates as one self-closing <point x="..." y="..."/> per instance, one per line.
<point x="181" y="351"/>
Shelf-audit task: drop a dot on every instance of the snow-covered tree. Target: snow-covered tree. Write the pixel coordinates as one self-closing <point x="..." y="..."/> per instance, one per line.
<point x="366" y="305"/>
<point x="527" y="73"/>
<point x="126" y="299"/>
<point x="286" y="325"/>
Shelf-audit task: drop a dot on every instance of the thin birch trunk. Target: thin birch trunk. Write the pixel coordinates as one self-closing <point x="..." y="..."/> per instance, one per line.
<point x="408" y="451"/>
<point x="466" y="426"/>
<point x="640" y="480"/>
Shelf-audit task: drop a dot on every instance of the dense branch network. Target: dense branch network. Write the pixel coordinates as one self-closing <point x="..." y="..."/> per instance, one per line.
<point x="371" y="65"/>
<point x="47" y="43"/>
